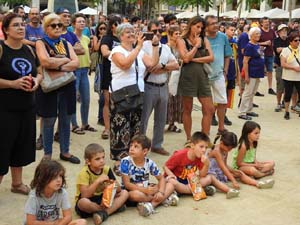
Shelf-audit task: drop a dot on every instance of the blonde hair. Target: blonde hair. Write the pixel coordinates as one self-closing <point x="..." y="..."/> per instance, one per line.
<point x="48" y="19"/>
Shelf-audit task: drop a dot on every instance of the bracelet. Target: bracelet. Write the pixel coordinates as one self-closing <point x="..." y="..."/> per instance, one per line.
<point x="155" y="45"/>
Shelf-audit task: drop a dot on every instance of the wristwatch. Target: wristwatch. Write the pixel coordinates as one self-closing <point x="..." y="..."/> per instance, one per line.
<point x="163" y="65"/>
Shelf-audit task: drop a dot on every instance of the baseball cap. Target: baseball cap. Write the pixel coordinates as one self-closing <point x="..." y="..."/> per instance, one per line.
<point x="62" y="10"/>
<point x="281" y="26"/>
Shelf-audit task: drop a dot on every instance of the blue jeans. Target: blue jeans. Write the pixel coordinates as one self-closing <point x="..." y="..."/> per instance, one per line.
<point x="63" y="127"/>
<point x="83" y="87"/>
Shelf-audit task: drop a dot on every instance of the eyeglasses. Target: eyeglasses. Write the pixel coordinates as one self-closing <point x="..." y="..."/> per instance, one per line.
<point x="17" y="25"/>
<point x="55" y="25"/>
<point x="102" y="28"/>
<point x="116" y="24"/>
<point x="296" y="40"/>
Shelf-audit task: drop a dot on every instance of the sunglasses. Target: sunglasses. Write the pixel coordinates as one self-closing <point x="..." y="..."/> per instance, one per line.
<point x="157" y="30"/>
<point x="102" y="28"/>
<point x="54" y="25"/>
<point x="296" y="40"/>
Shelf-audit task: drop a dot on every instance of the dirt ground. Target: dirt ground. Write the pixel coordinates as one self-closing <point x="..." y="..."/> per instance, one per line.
<point x="279" y="141"/>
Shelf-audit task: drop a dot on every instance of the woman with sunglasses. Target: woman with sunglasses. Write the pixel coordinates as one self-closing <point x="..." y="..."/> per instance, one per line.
<point x="108" y="42"/>
<point x="290" y="62"/>
<point x="20" y="76"/>
<point x="82" y="81"/>
<point x="59" y="103"/>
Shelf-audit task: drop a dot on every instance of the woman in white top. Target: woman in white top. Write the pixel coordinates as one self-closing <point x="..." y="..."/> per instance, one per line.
<point x="290" y="62"/>
<point x="124" y="125"/>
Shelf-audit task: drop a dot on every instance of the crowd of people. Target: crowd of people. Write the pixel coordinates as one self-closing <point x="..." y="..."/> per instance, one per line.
<point x="159" y="65"/>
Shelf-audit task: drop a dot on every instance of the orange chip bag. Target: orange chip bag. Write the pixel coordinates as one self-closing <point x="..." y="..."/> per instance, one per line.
<point x="109" y="193"/>
<point x="195" y="186"/>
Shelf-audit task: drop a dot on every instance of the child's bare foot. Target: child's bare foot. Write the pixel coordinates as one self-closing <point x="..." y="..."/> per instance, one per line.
<point x="99" y="217"/>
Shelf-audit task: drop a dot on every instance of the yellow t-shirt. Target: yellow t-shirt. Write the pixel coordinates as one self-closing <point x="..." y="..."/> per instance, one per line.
<point x="84" y="59"/>
<point x="87" y="177"/>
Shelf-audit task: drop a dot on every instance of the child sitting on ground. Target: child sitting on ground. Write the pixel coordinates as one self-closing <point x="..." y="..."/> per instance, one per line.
<point x="219" y="168"/>
<point x="48" y="196"/>
<point x="244" y="158"/>
<point x="91" y="182"/>
<point x="135" y="172"/>
<point x="193" y="160"/>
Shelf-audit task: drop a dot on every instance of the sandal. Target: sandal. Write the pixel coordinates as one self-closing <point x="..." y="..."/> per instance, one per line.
<point x="78" y="130"/>
<point x="105" y="134"/>
<point x="20" y="189"/>
<point x="89" y="128"/>
<point x="174" y="129"/>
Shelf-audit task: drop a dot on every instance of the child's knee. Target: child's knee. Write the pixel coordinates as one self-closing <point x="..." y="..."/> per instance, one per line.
<point x="124" y="194"/>
<point x="135" y="195"/>
<point x="83" y="202"/>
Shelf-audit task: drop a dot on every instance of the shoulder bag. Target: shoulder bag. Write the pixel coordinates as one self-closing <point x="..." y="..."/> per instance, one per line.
<point x="54" y="79"/>
<point x="127" y="98"/>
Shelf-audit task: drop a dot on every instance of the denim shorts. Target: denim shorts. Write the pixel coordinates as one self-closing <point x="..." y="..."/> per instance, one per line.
<point x="269" y="63"/>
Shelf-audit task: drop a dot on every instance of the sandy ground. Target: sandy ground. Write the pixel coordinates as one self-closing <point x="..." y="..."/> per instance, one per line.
<point x="280" y="205"/>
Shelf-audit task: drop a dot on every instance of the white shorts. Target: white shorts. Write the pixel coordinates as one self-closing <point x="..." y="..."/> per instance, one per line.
<point x="218" y="89"/>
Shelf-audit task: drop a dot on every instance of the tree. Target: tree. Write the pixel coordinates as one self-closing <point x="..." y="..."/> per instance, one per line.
<point x="13" y="3"/>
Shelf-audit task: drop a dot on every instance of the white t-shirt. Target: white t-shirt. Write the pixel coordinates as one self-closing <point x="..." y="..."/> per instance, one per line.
<point x="288" y="74"/>
<point x="122" y="78"/>
<point x="165" y="57"/>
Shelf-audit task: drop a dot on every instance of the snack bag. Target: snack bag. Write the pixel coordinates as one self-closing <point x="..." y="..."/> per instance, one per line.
<point x="109" y="193"/>
<point x="195" y="186"/>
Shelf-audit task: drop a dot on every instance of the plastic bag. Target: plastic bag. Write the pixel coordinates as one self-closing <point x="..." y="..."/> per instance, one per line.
<point x="173" y="82"/>
<point x="109" y="193"/>
<point x="195" y="186"/>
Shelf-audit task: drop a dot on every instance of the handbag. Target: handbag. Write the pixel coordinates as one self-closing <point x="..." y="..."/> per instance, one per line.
<point x="127" y="98"/>
<point x="55" y="79"/>
<point x="98" y="78"/>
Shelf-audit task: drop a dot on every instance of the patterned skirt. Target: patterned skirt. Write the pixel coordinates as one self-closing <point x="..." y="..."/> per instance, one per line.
<point x="174" y="109"/>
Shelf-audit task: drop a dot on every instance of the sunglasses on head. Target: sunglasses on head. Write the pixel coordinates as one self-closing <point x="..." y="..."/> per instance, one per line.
<point x="54" y="25"/>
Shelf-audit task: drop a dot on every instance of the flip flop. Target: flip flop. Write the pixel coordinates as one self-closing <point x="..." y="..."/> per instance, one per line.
<point x="20" y="189"/>
<point x="105" y="134"/>
<point x="77" y="130"/>
<point x="89" y="128"/>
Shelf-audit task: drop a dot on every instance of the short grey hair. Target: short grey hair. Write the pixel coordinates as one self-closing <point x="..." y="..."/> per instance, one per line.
<point x="122" y="27"/>
<point x="252" y="31"/>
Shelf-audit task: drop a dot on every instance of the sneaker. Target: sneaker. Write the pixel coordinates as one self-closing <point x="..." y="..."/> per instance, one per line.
<point x="227" y="121"/>
<point x="39" y="143"/>
<point x="232" y="193"/>
<point x="255" y="105"/>
<point x="271" y="92"/>
<point x="210" y="190"/>
<point x="278" y="108"/>
<point x="214" y="121"/>
<point x="286" y="115"/>
<point x="296" y="108"/>
<point x="259" y="94"/>
<point x="264" y="184"/>
<point x="145" y="209"/>
<point x="172" y="200"/>
<point x="56" y="137"/>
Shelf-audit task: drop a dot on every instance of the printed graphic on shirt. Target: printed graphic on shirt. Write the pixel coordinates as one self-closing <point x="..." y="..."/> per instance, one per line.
<point x="47" y="213"/>
<point x="187" y="170"/>
<point x="260" y="51"/>
<point x="60" y="48"/>
<point x="21" y="66"/>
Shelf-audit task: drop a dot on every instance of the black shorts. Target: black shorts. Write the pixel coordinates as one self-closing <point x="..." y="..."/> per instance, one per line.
<point x="17" y="139"/>
<point x="230" y="84"/>
<point x="96" y="199"/>
<point x="106" y="80"/>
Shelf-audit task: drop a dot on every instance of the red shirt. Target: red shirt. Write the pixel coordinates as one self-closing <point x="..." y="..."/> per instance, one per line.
<point x="265" y="36"/>
<point x="181" y="166"/>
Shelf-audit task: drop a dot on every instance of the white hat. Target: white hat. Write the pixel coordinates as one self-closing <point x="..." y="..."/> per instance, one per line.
<point x="281" y="26"/>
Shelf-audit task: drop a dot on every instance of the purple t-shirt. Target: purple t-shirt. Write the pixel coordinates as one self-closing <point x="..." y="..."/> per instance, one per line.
<point x="33" y="34"/>
<point x="70" y="37"/>
<point x="257" y="62"/>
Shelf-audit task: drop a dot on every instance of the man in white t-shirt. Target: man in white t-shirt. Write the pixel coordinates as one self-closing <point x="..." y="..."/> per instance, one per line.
<point x="156" y="90"/>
